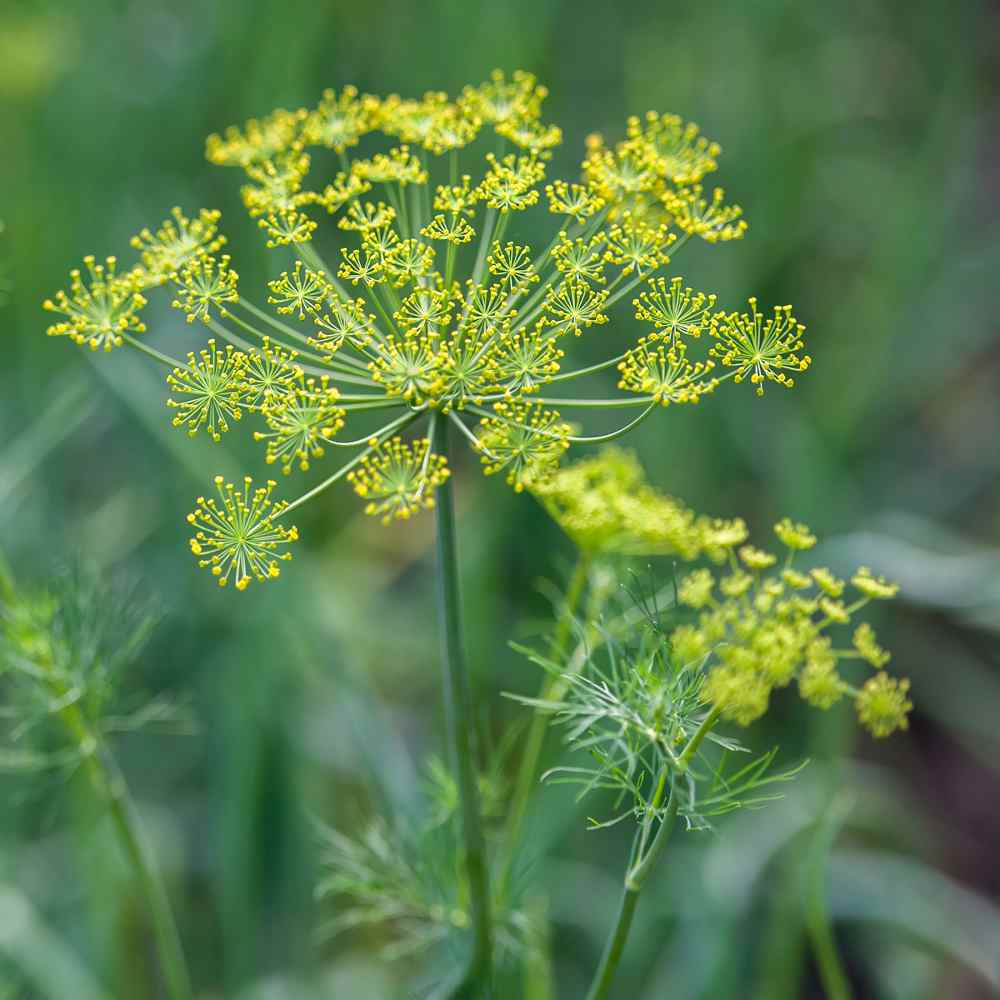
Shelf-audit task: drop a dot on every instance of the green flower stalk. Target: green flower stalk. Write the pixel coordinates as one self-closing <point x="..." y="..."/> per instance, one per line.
<point x="433" y="310"/>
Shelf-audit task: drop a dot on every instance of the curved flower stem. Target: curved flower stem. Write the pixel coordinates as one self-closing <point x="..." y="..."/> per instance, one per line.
<point x="613" y="403"/>
<point x="836" y="985"/>
<point x="600" y="366"/>
<point x="459" y="723"/>
<point x="552" y="690"/>
<point x="373" y="440"/>
<point x="156" y="355"/>
<point x="613" y="435"/>
<point x="644" y="859"/>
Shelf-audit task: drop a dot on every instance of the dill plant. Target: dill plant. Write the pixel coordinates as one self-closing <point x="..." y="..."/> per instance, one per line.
<point x="65" y="650"/>
<point x="644" y="697"/>
<point x="435" y="311"/>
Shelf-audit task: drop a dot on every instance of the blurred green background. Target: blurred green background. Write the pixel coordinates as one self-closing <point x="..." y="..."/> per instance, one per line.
<point x="862" y="140"/>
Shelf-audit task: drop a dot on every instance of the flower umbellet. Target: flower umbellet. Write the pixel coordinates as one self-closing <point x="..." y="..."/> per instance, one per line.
<point x="434" y="303"/>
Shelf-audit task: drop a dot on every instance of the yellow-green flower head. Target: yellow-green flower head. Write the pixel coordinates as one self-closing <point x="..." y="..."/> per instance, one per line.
<point x="674" y="148"/>
<point x="398" y="478"/>
<point x="457" y="198"/>
<point x="177" y="241"/>
<point x="795" y="536"/>
<point x="287" y="227"/>
<point x="277" y="184"/>
<point x="581" y="260"/>
<point x="300" y="292"/>
<point x="344" y="322"/>
<point x="575" y="200"/>
<point x="237" y="536"/>
<point x="756" y="559"/>
<point x="695" y="590"/>
<point x="211" y="390"/>
<point x="341" y="120"/>
<point x="300" y="422"/>
<point x="637" y="246"/>
<point x="99" y="308"/>
<point x="819" y="683"/>
<point x="525" y="440"/>
<point x="882" y="705"/>
<point x="605" y="505"/>
<point x="453" y="230"/>
<point x="574" y="307"/>
<point x="452" y="129"/>
<point x="828" y="583"/>
<point x="364" y="216"/>
<point x="531" y="136"/>
<point x="721" y="536"/>
<point x="500" y="100"/>
<point x="711" y="220"/>
<point x="512" y="265"/>
<point x="872" y="586"/>
<point x="619" y="175"/>
<point x="409" y="120"/>
<point x="795" y="579"/>
<point x="409" y="367"/>
<point x="257" y="141"/>
<point x="743" y="695"/>
<point x="510" y="182"/>
<point x="666" y="375"/>
<point x="867" y="645"/>
<point x="268" y="373"/>
<point x="523" y="362"/>
<point x="341" y="192"/>
<point x="398" y="166"/>
<point x="674" y="310"/>
<point x="758" y="348"/>
<point x="206" y="285"/>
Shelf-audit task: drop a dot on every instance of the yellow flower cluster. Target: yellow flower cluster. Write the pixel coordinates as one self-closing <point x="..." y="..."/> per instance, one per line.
<point x="605" y="505"/>
<point x="237" y="535"/>
<point x="398" y="479"/>
<point x="761" y="624"/>
<point x="434" y="304"/>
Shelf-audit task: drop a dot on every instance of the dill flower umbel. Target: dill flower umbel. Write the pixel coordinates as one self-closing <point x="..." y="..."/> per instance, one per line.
<point x="430" y="301"/>
<point x="761" y="624"/>
<point x="605" y="505"/>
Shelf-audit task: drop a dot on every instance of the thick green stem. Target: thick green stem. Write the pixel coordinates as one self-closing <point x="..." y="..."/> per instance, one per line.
<point x="552" y="690"/>
<point x="459" y="722"/>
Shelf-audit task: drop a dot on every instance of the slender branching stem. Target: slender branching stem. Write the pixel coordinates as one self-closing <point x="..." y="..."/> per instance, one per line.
<point x="460" y="723"/>
<point x="374" y="439"/>
<point x="596" y="403"/>
<point x="164" y="359"/>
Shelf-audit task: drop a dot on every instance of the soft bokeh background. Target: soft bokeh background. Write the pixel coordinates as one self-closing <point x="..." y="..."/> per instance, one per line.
<point x="862" y="139"/>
